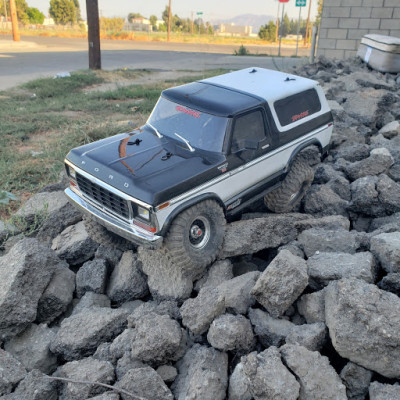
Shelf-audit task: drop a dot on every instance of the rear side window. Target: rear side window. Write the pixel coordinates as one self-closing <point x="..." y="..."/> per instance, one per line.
<point x="297" y="106"/>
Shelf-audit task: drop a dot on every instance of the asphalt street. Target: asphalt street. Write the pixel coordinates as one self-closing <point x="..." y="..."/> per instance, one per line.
<point x="36" y="57"/>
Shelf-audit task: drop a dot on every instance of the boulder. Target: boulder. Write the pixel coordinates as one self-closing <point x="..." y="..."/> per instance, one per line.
<point x="157" y="339"/>
<point x="91" y="277"/>
<point x="310" y="336"/>
<point x="11" y="372"/>
<point x="127" y="281"/>
<point x="267" y="376"/>
<point x="57" y="295"/>
<point x="318" y="380"/>
<point x="87" y="369"/>
<point x="325" y="267"/>
<point x="144" y="383"/>
<point x="386" y="248"/>
<point x="218" y="273"/>
<point x="391" y="283"/>
<point x="389" y="194"/>
<point x="239" y="385"/>
<point x="231" y="333"/>
<point x="330" y="222"/>
<point x="381" y="391"/>
<point x="32" y="348"/>
<point x="80" y="334"/>
<point x="364" y="326"/>
<point x="236" y="292"/>
<point x="281" y="283"/>
<point x="356" y="379"/>
<point x="352" y="153"/>
<point x="312" y="306"/>
<point x="24" y="274"/>
<point x="321" y="201"/>
<point x="111" y="254"/>
<point x="393" y="221"/>
<point x="90" y="300"/>
<point x="198" y="313"/>
<point x="74" y="245"/>
<point x="268" y="330"/>
<point x="203" y="374"/>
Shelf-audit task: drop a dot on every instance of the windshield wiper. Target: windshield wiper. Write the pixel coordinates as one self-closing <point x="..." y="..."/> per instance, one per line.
<point x="154" y="129"/>
<point x="186" y="142"/>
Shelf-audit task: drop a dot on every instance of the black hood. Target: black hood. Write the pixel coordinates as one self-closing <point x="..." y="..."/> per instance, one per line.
<point x="146" y="167"/>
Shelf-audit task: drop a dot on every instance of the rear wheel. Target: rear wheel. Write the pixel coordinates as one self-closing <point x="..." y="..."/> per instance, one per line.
<point x="196" y="234"/>
<point x="293" y="188"/>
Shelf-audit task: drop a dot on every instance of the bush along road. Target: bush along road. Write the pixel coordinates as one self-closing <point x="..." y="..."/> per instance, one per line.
<point x="302" y="305"/>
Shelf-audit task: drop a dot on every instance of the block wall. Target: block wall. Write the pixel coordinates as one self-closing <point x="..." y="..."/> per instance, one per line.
<point x="345" y="22"/>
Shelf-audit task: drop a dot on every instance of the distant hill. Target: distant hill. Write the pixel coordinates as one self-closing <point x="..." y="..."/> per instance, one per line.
<point x="256" y="21"/>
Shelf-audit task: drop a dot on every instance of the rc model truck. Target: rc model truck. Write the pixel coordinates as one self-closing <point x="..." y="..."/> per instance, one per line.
<point x="208" y="150"/>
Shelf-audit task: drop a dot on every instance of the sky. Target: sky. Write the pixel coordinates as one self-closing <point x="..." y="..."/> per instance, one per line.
<point x="212" y="9"/>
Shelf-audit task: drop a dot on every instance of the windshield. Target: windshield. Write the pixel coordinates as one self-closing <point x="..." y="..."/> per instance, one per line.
<point x="203" y="131"/>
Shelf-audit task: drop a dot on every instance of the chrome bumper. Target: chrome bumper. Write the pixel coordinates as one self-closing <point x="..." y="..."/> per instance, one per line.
<point x="132" y="233"/>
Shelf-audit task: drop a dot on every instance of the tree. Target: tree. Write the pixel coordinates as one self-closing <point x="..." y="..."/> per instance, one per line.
<point x="35" y="16"/>
<point x="21" y="7"/>
<point x="132" y="16"/>
<point x="285" y="26"/>
<point x="153" y="21"/>
<point x="267" y="32"/>
<point x="111" y="24"/>
<point x="77" y="11"/>
<point x="62" y="11"/>
<point x="319" y="12"/>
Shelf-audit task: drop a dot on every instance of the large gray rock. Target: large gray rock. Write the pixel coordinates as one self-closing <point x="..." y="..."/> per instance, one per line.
<point x="381" y="222"/>
<point x="24" y="274"/>
<point x="269" y="331"/>
<point x="379" y="161"/>
<point x="361" y="316"/>
<point x="80" y="334"/>
<point x="236" y="292"/>
<point x="90" y="300"/>
<point x="389" y="194"/>
<point x="318" y="380"/>
<point x="239" y="385"/>
<point x="91" y="277"/>
<point x="281" y="283"/>
<point x="74" y="245"/>
<point x="321" y="240"/>
<point x="312" y="306"/>
<point x="198" y="313"/>
<point x="386" y="248"/>
<point x="321" y="201"/>
<point x="231" y="333"/>
<point x="32" y="348"/>
<point x="57" y="295"/>
<point x="144" y="383"/>
<point x="250" y="236"/>
<point x="268" y="377"/>
<point x="166" y="279"/>
<point x="328" y="222"/>
<point x="157" y="339"/>
<point x="127" y="282"/>
<point x="218" y="273"/>
<point x="380" y="391"/>
<point x="11" y="372"/>
<point x="356" y="379"/>
<point x="203" y="374"/>
<point x="325" y="267"/>
<point x="87" y="369"/>
<point x="310" y="336"/>
<point x="36" y="386"/>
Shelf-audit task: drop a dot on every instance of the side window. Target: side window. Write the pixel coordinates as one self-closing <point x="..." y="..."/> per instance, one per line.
<point x="296" y="107"/>
<point x="247" y="128"/>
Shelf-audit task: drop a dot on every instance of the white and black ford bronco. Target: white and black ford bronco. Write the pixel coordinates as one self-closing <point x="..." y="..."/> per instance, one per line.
<point x="208" y="149"/>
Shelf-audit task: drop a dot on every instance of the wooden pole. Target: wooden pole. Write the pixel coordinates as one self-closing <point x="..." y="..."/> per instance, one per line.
<point x="92" y="11"/>
<point x="14" y="21"/>
<point x="169" y="21"/>
<point x="308" y="23"/>
<point x="277" y="23"/>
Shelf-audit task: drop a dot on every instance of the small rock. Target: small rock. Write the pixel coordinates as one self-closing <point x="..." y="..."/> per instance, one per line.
<point x="239" y="385"/>
<point x="310" y="336"/>
<point x="389" y="194"/>
<point x="321" y="201"/>
<point x="90" y="300"/>
<point x="126" y="363"/>
<point x="12" y="372"/>
<point x="352" y="153"/>
<point x="203" y="374"/>
<point x="391" y="283"/>
<point x="356" y="380"/>
<point x="312" y="306"/>
<point x="91" y="277"/>
<point x="268" y="377"/>
<point x="390" y="130"/>
<point x="394" y="172"/>
<point x="32" y="348"/>
<point x="218" y="273"/>
<point x="111" y="254"/>
<point x="281" y="283"/>
<point x="74" y="245"/>
<point x="386" y="248"/>
<point x="231" y="333"/>
<point x="380" y="391"/>
<point x="168" y="373"/>
<point x="318" y="380"/>
<point x="127" y="281"/>
<point x="107" y="396"/>
<point x="198" y="313"/>
<point x="122" y="343"/>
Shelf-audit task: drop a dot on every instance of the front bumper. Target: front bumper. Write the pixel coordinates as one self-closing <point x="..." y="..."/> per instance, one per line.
<point x="130" y="232"/>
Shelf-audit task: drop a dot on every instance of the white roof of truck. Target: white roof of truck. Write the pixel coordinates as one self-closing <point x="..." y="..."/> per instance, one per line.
<point x="265" y="83"/>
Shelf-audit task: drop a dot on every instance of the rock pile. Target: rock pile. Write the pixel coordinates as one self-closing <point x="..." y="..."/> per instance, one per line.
<point x="299" y="306"/>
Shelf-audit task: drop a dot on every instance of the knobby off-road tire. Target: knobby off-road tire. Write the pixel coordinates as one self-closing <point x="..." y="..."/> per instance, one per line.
<point x="196" y="235"/>
<point x="103" y="236"/>
<point x="293" y="188"/>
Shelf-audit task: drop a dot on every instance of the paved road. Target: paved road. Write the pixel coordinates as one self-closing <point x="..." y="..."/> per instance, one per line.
<point x="36" y="57"/>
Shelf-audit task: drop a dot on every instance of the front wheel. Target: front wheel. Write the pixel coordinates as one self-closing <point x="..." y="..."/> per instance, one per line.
<point x="196" y="234"/>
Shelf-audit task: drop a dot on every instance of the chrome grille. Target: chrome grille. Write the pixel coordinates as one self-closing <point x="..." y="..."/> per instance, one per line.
<point x="104" y="197"/>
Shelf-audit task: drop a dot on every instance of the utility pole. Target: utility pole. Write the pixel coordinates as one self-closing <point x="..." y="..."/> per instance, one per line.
<point x="308" y="23"/>
<point x="192" y="22"/>
<point x="277" y="23"/>
<point x="169" y="21"/>
<point x="5" y="11"/>
<point x="14" y="21"/>
<point x="92" y="12"/>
